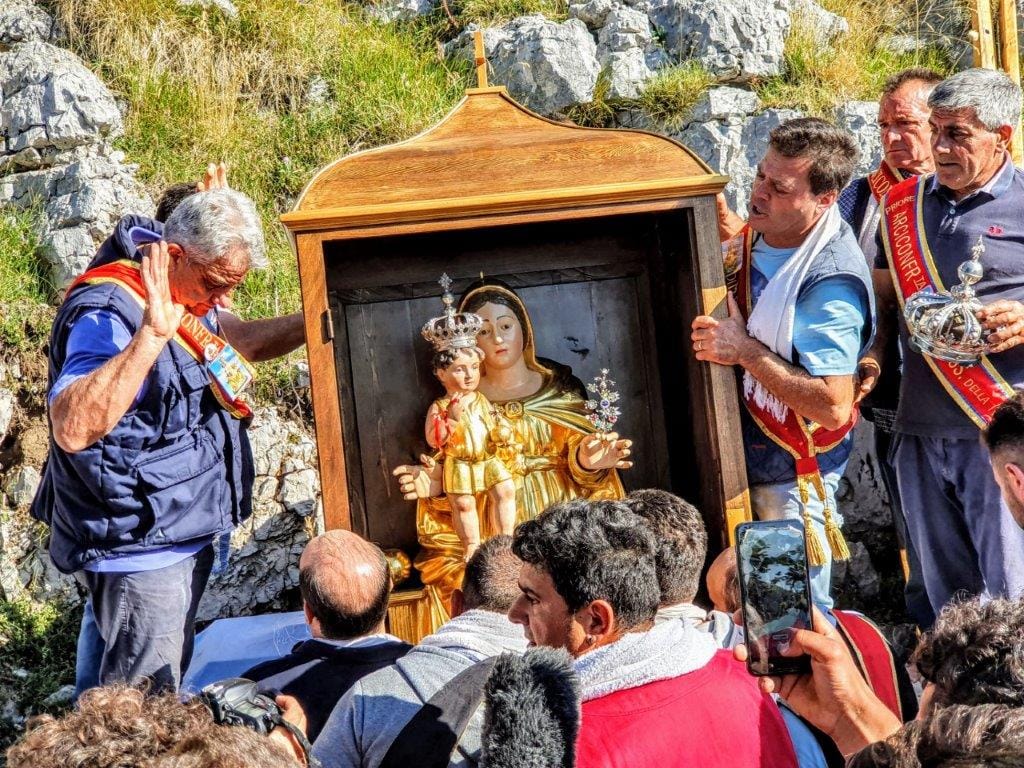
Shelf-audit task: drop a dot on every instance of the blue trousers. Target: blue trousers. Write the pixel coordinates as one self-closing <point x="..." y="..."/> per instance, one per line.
<point x="89" y="653"/>
<point x="146" y="620"/>
<point x="965" y="537"/>
<point x="778" y="501"/>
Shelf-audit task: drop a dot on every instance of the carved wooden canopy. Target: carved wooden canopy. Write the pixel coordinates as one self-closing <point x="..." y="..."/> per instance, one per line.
<point x="492" y="155"/>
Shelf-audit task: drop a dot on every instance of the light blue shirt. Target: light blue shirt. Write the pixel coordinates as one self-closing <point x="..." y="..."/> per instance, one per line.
<point x="827" y="333"/>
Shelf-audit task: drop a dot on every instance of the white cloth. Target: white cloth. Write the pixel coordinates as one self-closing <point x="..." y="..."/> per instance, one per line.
<point x="667" y="650"/>
<point x="716" y="623"/>
<point x="484" y="633"/>
<point x="774" y="316"/>
<point x="366" y="641"/>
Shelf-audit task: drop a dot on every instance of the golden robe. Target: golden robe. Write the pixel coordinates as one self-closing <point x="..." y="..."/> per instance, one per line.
<point x="469" y="465"/>
<point x="549" y="425"/>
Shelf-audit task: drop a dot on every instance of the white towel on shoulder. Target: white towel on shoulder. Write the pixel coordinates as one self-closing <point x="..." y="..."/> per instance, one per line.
<point x="774" y="316"/>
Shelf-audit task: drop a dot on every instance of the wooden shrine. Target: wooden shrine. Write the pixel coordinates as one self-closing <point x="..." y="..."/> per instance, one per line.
<point x="608" y="236"/>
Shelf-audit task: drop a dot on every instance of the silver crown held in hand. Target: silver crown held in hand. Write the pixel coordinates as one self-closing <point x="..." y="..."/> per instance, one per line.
<point x="452" y="330"/>
<point x="945" y="325"/>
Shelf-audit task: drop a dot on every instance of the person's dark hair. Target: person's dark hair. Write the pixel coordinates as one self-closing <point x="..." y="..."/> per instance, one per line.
<point x="117" y="725"/>
<point x="594" y="550"/>
<point x="682" y="541"/>
<point x="491" y="581"/>
<point x="444" y="357"/>
<point x="171" y="197"/>
<point x="1006" y="430"/>
<point x="975" y="653"/>
<point x="929" y="77"/>
<point x="491" y="297"/>
<point x="338" y="621"/>
<point x="832" y="151"/>
<point x="984" y="736"/>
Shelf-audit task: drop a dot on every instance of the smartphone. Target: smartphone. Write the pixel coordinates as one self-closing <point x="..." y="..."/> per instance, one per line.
<point x="775" y="593"/>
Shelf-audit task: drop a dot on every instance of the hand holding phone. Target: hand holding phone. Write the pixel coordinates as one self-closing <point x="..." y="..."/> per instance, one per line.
<point x="775" y="593"/>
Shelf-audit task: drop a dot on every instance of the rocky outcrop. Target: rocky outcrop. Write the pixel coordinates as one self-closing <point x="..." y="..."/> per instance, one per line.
<point x="627" y="51"/>
<point x="399" y="10"/>
<point x="546" y="65"/>
<point x="22" y="21"/>
<point x="735" y="40"/>
<point x="860" y="118"/>
<point x="57" y="121"/>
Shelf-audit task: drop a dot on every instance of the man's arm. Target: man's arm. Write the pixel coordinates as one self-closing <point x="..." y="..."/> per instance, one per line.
<point x="90" y="407"/>
<point x="886" y="306"/>
<point x="825" y="400"/>
<point x="260" y="340"/>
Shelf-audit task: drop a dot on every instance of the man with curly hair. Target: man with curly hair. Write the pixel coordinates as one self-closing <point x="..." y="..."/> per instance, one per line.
<point x="116" y="726"/>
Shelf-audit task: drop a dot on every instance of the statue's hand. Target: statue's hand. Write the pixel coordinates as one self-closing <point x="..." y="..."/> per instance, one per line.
<point x="605" y="451"/>
<point x="419" y="481"/>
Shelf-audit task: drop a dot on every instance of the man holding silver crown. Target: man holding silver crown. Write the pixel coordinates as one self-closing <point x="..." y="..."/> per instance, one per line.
<point x="951" y="254"/>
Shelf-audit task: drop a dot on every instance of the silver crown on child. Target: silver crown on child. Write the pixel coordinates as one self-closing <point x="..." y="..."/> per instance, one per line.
<point x="944" y="325"/>
<point x="452" y="330"/>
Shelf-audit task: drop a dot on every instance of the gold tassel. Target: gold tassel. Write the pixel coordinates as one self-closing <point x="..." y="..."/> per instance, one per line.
<point x="815" y="550"/>
<point x="833" y="534"/>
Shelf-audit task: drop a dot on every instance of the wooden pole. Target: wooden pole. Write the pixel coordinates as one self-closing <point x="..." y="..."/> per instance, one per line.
<point x="1009" y="52"/>
<point x="480" y="59"/>
<point x="983" y="35"/>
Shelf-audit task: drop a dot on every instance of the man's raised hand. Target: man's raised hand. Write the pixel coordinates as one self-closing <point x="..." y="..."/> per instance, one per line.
<point x="162" y="315"/>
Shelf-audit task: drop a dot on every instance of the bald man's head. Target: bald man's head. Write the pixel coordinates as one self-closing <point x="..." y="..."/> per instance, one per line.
<point x="345" y="583"/>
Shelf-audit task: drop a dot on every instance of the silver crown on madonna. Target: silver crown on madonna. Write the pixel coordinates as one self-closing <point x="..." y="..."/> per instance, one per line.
<point x="945" y="325"/>
<point x="452" y="330"/>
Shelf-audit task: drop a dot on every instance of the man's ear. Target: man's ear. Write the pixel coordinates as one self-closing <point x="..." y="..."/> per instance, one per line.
<point x="458" y="603"/>
<point x="174" y="251"/>
<point x="1005" y="133"/>
<point x="1015" y="477"/>
<point x="310" y="618"/>
<point x="597" y="619"/>
<point x="827" y="199"/>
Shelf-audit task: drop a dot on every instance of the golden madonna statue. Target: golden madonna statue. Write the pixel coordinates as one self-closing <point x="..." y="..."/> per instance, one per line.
<point x="552" y="447"/>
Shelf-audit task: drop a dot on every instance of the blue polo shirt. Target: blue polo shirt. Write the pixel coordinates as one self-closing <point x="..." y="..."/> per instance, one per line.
<point x="952" y="228"/>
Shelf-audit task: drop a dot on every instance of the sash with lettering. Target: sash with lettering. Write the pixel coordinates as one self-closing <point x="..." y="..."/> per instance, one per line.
<point x="882" y="180"/>
<point x="977" y="389"/>
<point x="803" y="440"/>
<point x="194" y="337"/>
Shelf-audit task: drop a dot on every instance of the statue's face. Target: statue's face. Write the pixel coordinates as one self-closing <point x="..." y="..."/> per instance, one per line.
<point x="502" y="336"/>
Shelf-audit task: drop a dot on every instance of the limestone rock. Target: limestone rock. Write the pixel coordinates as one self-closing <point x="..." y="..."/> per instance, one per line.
<point x="22" y="21"/>
<point x="299" y="492"/>
<point x="83" y="201"/>
<point x="858" y="574"/>
<point x="51" y="101"/>
<point x="61" y="697"/>
<point x="626" y="48"/>
<point x="545" y="65"/>
<point x="21" y="488"/>
<point x="861" y="119"/>
<point x="827" y="25"/>
<point x="7" y="404"/>
<point x="591" y="12"/>
<point x="224" y="6"/>
<point x="735" y="40"/>
<point x="724" y="103"/>
<point x="399" y="10"/>
<point x="735" y="147"/>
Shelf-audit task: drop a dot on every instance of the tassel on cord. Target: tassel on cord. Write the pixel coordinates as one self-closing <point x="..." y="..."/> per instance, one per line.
<point x="815" y="550"/>
<point x="833" y="534"/>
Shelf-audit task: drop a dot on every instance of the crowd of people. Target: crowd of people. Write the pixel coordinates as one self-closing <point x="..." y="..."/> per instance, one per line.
<point x="580" y="639"/>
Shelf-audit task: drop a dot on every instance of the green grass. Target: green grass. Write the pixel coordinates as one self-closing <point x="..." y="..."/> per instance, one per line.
<point x="491" y="12"/>
<point x="37" y="655"/>
<point x="672" y="93"/>
<point x="23" y="271"/>
<point x="817" y="77"/>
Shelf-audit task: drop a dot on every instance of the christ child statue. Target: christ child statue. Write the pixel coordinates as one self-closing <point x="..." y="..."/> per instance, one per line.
<point x="460" y="426"/>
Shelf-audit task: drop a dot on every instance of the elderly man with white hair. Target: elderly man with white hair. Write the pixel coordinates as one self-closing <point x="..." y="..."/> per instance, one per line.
<point x="966" y="538"/>
<point x="149" y="458"/>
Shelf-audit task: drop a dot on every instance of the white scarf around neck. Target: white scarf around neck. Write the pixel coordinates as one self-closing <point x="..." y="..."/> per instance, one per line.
<point x="665" y="651"/>
<point x="774" y="316"/>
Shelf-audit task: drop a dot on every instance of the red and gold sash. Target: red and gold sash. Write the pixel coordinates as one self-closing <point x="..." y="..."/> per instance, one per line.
<point x="882" y="180"/>
<point x="194" y="337"/>
<point x="803" y="440"/>
<point x="977" y="389"/>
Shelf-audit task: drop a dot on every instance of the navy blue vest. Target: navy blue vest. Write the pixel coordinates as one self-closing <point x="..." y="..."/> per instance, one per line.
<point x="767" y="462"/>
<point x="176" y="468"/>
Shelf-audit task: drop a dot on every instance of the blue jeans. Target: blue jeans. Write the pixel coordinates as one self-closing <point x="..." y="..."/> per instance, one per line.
<point x="966" y="538"/>
<point x="781" y="501"/>
<point x="146" y="620"/>
<point x="89" y="653"/>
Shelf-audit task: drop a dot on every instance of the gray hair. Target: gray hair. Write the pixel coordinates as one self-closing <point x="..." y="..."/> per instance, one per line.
<point x="218" y="224"/>
<point x="994" y="97"/>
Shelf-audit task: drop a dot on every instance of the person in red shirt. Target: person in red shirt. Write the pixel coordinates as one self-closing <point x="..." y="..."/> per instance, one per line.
<point x="660" y="695"/>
